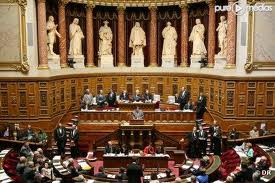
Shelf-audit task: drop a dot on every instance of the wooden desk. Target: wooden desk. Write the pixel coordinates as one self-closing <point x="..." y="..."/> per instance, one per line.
<point x="90" y="116"/>
<point x="124" y="161"/>
<point x="132" y="106"/>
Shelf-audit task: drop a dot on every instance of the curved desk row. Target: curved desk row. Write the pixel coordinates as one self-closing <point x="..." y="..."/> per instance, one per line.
<point x="4" y="178"/>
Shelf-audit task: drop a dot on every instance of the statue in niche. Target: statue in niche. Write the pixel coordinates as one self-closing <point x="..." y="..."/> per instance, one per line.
<point x="137" y="40"/>
<point x="105" y="39"/>
<point x="51" y="35"/>
<point x="222" y="36"/>
<point x="197" y="37"/>
<point x="170" y="37"/>
<point x="76" y="36"/>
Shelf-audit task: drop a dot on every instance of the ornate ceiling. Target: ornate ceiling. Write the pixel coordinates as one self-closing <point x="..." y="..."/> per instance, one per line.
<point x="136" y="3"/>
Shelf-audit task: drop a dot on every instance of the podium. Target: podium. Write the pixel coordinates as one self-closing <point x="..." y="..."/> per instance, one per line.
<point x="136" y="122"/>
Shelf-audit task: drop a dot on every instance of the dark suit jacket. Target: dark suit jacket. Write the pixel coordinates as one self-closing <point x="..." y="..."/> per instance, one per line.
<point x="134" y="173"/>
<point x="111" y="99"/>
<point x="122" y="97"/>
<point x="28" y="175"/>
<point x="101" y="175"/>
<point x="201" y="104"/>
<point x="193" y="137"/>
<point x="203" y="135"/>
<point x="137" y="98"/>
<point x="184" y="98"/>
<point x="188" y="107"/>
<point x="61" y="137"/>
<point x="109" y="149"/>
<point x="148" y="96"/>
<point x="74" y="136"/>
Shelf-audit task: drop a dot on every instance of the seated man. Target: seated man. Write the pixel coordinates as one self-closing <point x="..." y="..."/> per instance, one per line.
<point x="147" y="97"/>
<point x="109" y="148"/>
<point x="177" y="98"/>
<point x="149" y="150"/>
<point x="124" y="96"/>
<point x="233" y="134"/>
<point x="87" y="100"/>
<point x="101" y="173"/>
<point x="42" y="137"/>
<point x="254" y="133"/>
<point x="137" y="97"/>
<point x="100" y="99"/>
<point x="26" y="151"/>
<point x="21" y="165"/>
<point x="7" y="132"/>
<point x="262" y="164"/>
<point x="137" y="114"/>
<point x="29" y="134"/>
<point x="188" y="106"/>
<point x="263" y="131"/>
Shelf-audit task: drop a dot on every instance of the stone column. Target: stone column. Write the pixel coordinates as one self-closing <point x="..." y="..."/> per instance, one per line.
<point x="42" y="34"/>
<point x="153" y="37"/>
<point x="90" y="35"/>
<point x="184" y="35"/>
<point x="211" y="34"/>
<point x="231" y="37"/>
<point x="63" y="33"/>
<point x="121" y="37"/>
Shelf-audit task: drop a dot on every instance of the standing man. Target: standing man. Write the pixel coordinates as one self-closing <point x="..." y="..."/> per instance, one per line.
<point x="111" y="98"/>
<point x="74" y="137"/>
<point x="212" y="129"/>
<point x="202" y="141"/>
<point x="147" y="97"/>
<point x="217" y="141"/>
<point x="201" y="106"/>
<point x="87" y="100"/>
<point x="60" y="138"/>
<point x="193" y="143"/>
<point x="183" y="97"/>
<point x="134" y="171"/>
<point x="100" y="99"/>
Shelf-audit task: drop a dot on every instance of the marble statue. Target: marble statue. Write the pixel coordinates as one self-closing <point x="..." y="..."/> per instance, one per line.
<point x="197" y="37"/>
<point x="76" y="36"/>
<point x="105" y="40"/>
<point x="137" y="40"/>
<point x="170" y="36"/>
<point x="222" y="36"/>
<point x="51" y="35"/>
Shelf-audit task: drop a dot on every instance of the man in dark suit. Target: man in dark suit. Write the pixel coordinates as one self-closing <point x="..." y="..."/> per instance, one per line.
<point x="177" y="98"/>
<point x="147" y="97"/>
<point x="124" y="96"/>
<point x="201" y="106"/>
<point x="188" y="106"/>
<point x="183" y="97"/>
<point x="217" y="141"/>
<point x="29" y="134"/>
<point x="193" y="143"/>
<point x="134" y="172"/>
<point x="202" y="141"/>
<point x="101" y="173"/>
<point x="100" y="99"/>
<point x="109" y="148"/>
<point x="137" y="97"/>
<point x="111" y="98"/>
<point x="74" y="137"/>
<point x="29" y="173"/>
<point x="60" y="138"/>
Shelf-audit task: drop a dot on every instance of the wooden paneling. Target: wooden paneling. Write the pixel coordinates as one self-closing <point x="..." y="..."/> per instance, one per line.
<point x="38" y="99"/>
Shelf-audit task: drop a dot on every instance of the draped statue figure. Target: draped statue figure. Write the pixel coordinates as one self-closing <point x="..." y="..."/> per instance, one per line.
<point x="51" y="34"/>
<point x="170" y="36"/>
<point x="105" y="40"/>
<point x="137" y="40"/>
<point x="222" y="36"/>
<point x="76" y="36"/>
<point x="197" y="37"/>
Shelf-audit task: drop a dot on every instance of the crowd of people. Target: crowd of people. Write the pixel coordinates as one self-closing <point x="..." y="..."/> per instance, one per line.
<point x="28" y="134"/>
<point x="34" y="166"/>
<point x="183" y="99"/>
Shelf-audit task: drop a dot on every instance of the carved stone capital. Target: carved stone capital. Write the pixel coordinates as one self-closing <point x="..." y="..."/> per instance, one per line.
<point x="183" y="6"/>
<point x="211" y="3"/>
<point x="153" y="8"/>
<point x="63" y="2"/>
<point x="90" y="5"/>
<point x="121" y="8"/>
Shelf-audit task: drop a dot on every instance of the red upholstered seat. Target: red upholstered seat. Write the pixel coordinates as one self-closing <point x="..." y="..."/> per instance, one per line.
<point x="8" y="166"/>
<point x="13" y="155"/>
<point x="11" y="172"/>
